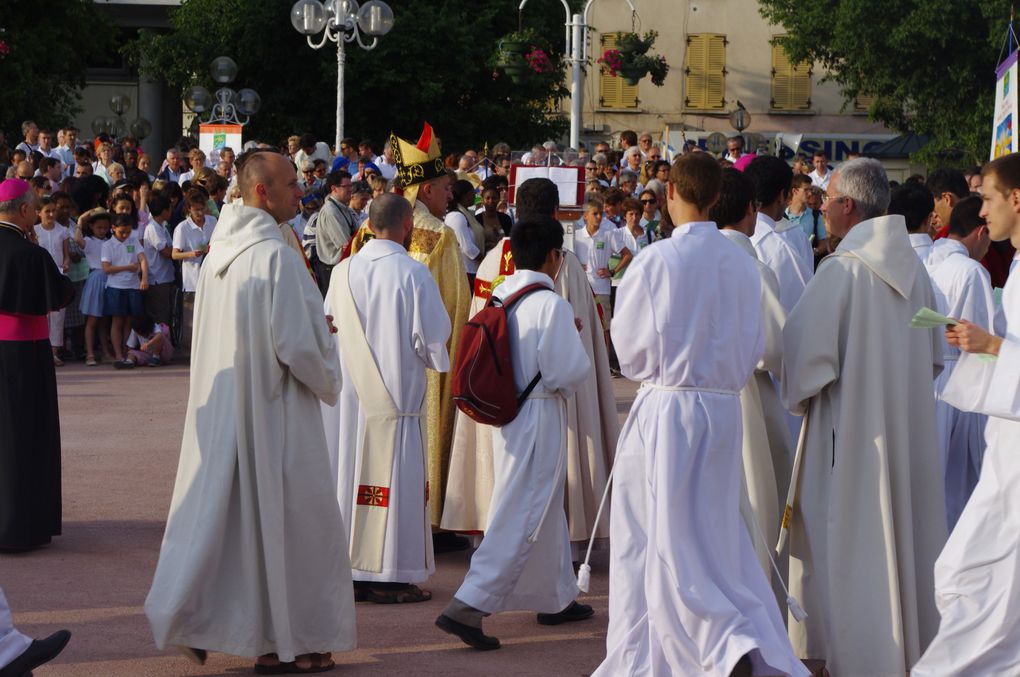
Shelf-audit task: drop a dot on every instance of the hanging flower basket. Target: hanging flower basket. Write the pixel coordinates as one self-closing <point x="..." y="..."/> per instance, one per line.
<point x="632" y="74"/>
<point x="517" y="71"/>
<point x="518" y="42"/>
<point x="631" y="61"/>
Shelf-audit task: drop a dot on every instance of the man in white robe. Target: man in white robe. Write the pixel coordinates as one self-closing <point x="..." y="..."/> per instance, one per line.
<point x="524" y="561"/>
<point x="772" y="178"/>
<point x="869" y="519"/>
<point x="977" y="576"/>
<point x="592" y="419"/>
<point x="376" y="431"/>
<point x="766" y="448"/>
<point x="20" y="654"/>
<point x="963" y="289"/>
<point x="776" y="243"/>
<point x="254" y="559"/>
<point x="915" y="204"/>
<point x="687" y="596"/>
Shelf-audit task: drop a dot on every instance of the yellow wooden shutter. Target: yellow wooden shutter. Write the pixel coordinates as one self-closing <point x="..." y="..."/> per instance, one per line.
<point x="613" y="91"/>
<point x="863" y="102"/>
<point x="791" y="83"/>
<point x="705" y="73"/>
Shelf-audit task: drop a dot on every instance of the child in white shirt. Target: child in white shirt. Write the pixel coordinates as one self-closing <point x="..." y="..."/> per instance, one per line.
<point x="93" y="232"/>
<point x="123" y="259"/>
<point x="54" y="238"/>
<point x="149" y="342"/>
<point x="191" y="244"/>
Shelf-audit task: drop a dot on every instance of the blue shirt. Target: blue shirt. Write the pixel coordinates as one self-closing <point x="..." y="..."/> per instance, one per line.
<point x="815" y="230"/>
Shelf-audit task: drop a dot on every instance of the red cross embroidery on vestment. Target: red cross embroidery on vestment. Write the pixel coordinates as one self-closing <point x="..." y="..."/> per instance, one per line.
<point x="373" y="496"/>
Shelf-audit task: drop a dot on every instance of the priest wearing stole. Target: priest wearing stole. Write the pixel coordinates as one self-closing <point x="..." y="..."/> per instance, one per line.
<point x="977" y="576"/>
<point x="427" y="187"/>
<point x="870" y="516"/>
<point x="393" y="327"/>
<point x="592" y="420"/>
<point x="686" y="594"/>
<point x="254" y="559"/>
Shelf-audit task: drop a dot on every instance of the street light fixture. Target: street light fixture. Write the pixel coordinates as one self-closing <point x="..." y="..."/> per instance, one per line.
<point x="229" y="106"/>
<point x="115" y="125"/>
<point x="341" y="21"/>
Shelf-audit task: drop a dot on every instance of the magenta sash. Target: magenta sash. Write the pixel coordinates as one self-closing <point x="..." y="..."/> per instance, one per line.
<point x="15" y="327"/>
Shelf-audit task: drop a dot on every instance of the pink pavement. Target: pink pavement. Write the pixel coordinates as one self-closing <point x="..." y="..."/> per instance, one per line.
<point x="121" y="434"/>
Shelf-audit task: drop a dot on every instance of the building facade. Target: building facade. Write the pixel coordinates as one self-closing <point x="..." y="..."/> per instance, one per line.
<point x="723" y="55"/>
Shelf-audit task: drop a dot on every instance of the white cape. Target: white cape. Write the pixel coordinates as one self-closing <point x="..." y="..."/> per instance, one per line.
<point x="254" y="558"/>
<point x="870" y="518"/>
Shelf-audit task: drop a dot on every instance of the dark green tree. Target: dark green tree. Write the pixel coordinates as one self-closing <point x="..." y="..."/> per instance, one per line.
<point x="42" y="69"/>
<point x="435" y="65"/>
<point x="930" y="64"/>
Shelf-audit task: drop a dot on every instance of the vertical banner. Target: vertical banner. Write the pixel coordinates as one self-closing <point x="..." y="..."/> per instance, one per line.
<point x="1004" y="119"/>
<point x="213" y="137"/>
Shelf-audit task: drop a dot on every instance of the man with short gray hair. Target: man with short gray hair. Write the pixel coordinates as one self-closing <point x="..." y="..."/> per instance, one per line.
<point x="870" y="516"/>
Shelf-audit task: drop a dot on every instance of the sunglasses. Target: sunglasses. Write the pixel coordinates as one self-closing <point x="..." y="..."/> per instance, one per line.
<point x="648" y="201"/>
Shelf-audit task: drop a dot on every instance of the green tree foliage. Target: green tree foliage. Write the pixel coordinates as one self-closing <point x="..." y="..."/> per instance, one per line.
<point x="50" y="44"/>
<point x="930" y="64"/>
<point x="434" y="65"/>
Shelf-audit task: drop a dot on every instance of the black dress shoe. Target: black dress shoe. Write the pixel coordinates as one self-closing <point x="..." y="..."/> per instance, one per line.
<point x="473" y="637"/>
<point x="447" y="541"/>
<point x="38" y="652"/>
<point x="574" y="612"/>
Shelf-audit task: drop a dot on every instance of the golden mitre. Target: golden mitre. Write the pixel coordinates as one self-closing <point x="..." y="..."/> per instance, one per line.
<point x="417" y="162"/>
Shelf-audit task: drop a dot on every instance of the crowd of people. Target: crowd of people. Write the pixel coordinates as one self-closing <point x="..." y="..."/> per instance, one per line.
<point x="823" y="356"/>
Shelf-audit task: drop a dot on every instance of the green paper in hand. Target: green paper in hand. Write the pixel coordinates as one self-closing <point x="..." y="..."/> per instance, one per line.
<point x="926" y="318"/>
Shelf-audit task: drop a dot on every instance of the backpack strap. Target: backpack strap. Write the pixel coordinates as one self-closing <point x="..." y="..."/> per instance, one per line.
<point x="506" y="305"/>
<point x="509" y="301"/>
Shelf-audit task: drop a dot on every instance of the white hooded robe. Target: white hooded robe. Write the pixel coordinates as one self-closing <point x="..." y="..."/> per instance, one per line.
<point x="254" y="558"/>
<point x="869" y="519"/>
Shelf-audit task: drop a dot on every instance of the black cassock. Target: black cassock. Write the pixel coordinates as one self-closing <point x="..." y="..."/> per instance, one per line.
<point x="30" y="287"/>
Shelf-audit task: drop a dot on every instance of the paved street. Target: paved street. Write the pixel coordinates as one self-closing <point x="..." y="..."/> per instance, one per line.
<point x="121" y="439"/>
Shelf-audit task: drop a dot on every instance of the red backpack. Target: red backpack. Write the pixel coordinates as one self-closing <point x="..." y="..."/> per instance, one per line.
<point x="483" y="378"/>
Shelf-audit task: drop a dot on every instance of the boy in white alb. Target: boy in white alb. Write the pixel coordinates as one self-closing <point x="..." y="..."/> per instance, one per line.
<point x="191" y="244"/>
<point x="977" y="574"/>
<point x="524" y="561"/>
<point x="686" y="594"/>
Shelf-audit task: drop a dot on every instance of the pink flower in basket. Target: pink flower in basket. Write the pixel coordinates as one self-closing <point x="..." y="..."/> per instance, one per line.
<point x="613" y="60"/>
<point x="539" y="61"/>
<point x="5" y="49"/>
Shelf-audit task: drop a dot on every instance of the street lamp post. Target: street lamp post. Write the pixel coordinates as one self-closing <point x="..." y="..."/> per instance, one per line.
<point x="576" y="49"/>
<point x="341" y="21"/>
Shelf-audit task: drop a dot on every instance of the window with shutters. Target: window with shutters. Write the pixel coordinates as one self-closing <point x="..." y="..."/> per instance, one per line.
<point x="705" y="72"/>
<point x="613" y="91"/>
<point x="791" y="82"/>
<point x="863" y="102"/>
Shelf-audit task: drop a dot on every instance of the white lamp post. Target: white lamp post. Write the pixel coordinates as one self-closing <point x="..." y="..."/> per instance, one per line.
<point x="341" y="21"/>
